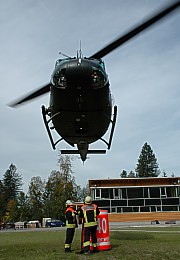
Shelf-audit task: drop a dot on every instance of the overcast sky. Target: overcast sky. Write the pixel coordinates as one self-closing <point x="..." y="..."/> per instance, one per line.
<point x="144" y="76"/>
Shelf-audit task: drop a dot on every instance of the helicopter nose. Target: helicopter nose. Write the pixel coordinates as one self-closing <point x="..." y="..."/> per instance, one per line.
<point x="78" y="68"/>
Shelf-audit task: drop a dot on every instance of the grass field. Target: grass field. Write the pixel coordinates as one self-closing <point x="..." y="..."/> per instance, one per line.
<point x="126" y="243"/>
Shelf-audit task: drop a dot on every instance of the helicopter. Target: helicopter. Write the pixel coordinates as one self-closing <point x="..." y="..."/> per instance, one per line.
<point x="81" y="107"/>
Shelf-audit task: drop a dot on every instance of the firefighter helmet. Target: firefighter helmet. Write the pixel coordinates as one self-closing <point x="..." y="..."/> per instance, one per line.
<point x="69" y="203"/>
<point x="88" y="200"/>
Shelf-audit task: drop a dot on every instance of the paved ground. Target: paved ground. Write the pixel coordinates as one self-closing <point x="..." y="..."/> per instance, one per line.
<point x="112" y="226"/>
<point x="129" y="224"/>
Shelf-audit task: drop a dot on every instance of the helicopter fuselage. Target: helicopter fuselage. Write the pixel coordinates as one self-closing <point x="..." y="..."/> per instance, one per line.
<point x="80" y="101"/>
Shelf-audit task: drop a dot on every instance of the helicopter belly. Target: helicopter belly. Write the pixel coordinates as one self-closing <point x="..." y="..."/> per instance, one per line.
<point x="84" y="126"/>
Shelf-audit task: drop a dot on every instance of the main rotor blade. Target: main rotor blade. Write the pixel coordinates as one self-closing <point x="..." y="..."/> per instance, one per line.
<point x="126" y="37"/>
<point x="41" y="91"/>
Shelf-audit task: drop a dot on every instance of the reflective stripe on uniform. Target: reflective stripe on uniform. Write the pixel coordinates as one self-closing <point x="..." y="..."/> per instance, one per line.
<point x="90" y="224"/>
<point x="67" y="245"/>
<point x="87" y="243"/>
<point x="70" y="225"/>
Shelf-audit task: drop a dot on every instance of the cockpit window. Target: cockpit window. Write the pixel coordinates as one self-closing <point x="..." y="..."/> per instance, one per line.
<point x="59" y="79"/>
<point x="98" y="78"/>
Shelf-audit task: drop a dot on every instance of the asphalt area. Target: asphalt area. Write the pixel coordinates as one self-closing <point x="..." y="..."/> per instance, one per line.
<point x="113" y="226"/>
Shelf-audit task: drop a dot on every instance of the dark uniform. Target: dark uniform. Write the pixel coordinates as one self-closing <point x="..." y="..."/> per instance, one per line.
<point x="71" y="224"/>
<point x="89" y="213"/>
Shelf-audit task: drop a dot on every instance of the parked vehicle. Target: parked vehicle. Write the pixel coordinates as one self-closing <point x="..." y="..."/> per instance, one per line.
<point x="55" y="223"/>
<point x="9" y="225"/>
<point x="34" y="224"/>
<point x="20" y="225"/>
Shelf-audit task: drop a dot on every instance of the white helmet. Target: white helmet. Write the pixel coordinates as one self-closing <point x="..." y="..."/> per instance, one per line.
<point x="88" y="200"/>
<point x="69" y="203"/>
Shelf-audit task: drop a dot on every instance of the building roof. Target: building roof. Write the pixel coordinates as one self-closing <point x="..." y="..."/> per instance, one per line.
<point x="150" y="181"/>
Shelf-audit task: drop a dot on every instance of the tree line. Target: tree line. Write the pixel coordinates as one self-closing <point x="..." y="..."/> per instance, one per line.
<point x="43" y="198"/>
<point x="47" y="198"/>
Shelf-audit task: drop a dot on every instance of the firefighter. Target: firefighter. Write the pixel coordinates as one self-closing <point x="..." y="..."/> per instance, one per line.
<point x="71" y="224"/>
<point x="89" y="213"/>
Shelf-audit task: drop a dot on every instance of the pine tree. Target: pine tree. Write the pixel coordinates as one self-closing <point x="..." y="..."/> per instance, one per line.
<point x="12" y="182"/>
<point x="131" y="174"/>
<point x="123" y="174"/>
<point x="147" y="165"/>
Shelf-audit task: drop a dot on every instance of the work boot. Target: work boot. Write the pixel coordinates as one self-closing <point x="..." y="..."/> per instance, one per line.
<point x="68" y="250"/>
<point x="87" y="253"/>
<point x="95" y="250"/>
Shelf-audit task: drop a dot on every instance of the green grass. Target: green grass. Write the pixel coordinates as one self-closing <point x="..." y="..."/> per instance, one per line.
<point x="126" y="244"/>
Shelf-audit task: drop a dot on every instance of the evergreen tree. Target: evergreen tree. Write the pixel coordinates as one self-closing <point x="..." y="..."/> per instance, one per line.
<point x="131" y="174"/>
<point x="12" y="182"/>
<point x="147" y="165"/>
<point x="2" y="201"/>
<point x="123" y="174"/>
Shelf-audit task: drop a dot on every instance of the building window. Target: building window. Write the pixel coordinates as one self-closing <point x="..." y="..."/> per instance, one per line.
<point x="135" y="193"/>
<point x="169" y="208"/>
<point x="145" y="192"/>
<point x="97" y="193"/>
<point x="124" y="193"/>
<point x="116" y="193"/>
<point x="145" y="209"/>
<point x="105" y="193"/>
<point x="113" y="210"/>
<point x="118" y="209"/>
<point x="171" y="192"/>
<point x="158" y="208"/>
<point x="135" y="209"/>
<point x="93" y="194"/>
<point x="127" y="209"/>
<point x="153" y="208"/>
<point x="163" y="192"/>
<point x="154" y="192"/>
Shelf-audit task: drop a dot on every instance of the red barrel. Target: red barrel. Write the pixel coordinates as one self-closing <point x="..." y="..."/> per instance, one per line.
<point x="103" y="238"/>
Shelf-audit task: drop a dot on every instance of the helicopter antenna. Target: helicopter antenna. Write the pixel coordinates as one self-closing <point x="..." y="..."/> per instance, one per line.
<point x="64" y="55"/>
<point x="79" y="53"/>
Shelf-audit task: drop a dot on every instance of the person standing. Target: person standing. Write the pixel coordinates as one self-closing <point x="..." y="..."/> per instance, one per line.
<point x="89" y="213"/>
<point x="71" y="224"/>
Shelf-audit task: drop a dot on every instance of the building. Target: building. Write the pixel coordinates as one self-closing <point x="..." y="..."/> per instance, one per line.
<point x="131" y="199"/>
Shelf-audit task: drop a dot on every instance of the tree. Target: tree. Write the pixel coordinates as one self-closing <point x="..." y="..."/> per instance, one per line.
<point x="12" y="183"/>
<point x="123" y="174"/>
<point x="147" y="165"/>
<point x="35" y="197"/>
<point x="131" y="174"/>
<point x="85" y="192"/>
<point x="23" y="209"/>
<point x="60" y="187"/>
<point x="2" y="201"/>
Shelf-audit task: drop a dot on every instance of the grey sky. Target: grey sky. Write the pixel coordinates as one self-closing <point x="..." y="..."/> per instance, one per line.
<point x="144" y="76"/>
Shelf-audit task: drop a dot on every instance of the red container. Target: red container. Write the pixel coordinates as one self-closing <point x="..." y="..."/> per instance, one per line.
<point x="103" y="238"/>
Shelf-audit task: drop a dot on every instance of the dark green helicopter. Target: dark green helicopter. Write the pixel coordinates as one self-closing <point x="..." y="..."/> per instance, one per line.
<point x="81" y="107"/>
